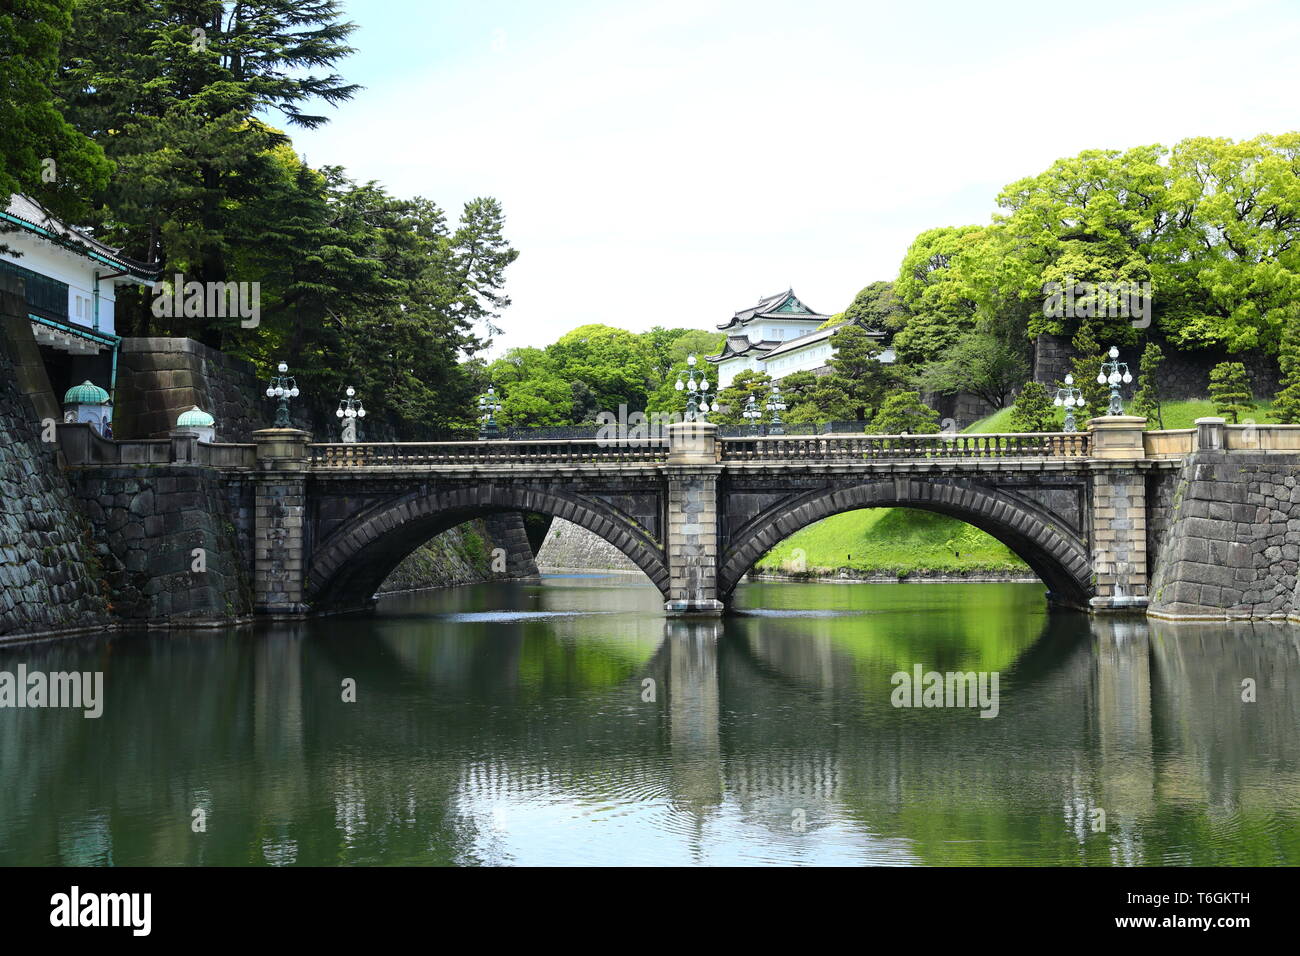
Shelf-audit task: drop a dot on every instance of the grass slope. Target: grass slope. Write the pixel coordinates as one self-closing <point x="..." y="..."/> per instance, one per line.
<point x="896" y="541"/>
<point x="1175" y="414"/>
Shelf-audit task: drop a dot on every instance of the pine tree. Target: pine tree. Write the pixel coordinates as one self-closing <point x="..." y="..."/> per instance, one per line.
<point x="903" y="413"/>
<point x="1088" y="358"/>
<point x="1230" y="390"/>
<point x="1033" y="410"/>
<point x="858" y="379"/>
<point x="183" y="86"/>
<point x="1146" y="400"/>
<point x="1286" y="405"/>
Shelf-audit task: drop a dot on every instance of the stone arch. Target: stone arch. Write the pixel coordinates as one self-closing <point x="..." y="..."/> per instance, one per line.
<point x="1055" y="554"/>
<point x="349" y="566"/>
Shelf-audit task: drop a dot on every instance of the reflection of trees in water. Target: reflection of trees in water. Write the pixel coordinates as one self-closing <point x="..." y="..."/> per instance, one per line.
<point x="772" y="715"/>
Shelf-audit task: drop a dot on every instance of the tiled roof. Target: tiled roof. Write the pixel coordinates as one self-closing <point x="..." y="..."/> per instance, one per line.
<point x="32" y="215"/>
<point x="765" y="308"/>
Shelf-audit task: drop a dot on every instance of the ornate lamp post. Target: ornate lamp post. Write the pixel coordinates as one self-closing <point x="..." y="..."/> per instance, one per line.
<point x="696" y="409"/>
<point x="1071" y="398"/>
<point x="283" y="387"/>
<point x="776" y="405"/>
<point x="1111" y="375"/>
<point x="351" y="411"/>
<point x="753" y="414"/>
<point x="488" y="406"/>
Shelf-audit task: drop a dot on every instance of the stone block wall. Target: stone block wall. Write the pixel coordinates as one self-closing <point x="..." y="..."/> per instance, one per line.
<point x="1119" y="542"/>
<point x="464" y="555"/>
<point x="1233" y="543"/>
<point x="571" y="547"/>
<point x="280" y="560"/>
<point x="1184" y="374"/>
<point x="147" y="524"/>
<point x="50" y="580"/>
<point x="158" y="378"/>
<point x="692" y="540"/>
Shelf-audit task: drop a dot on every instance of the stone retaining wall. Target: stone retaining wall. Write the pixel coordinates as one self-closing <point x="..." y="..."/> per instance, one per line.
<point x="147" y="524"/>
<point x="465" y="555"/>
<point x="50" y="580"/>
<point x="1233" y="542"/>
<point x="570" y="547"/>
<point x="158" y="378"/>
<point x="1184" y="374"/>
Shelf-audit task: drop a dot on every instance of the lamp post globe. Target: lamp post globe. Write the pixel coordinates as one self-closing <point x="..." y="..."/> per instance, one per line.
<point x="282" y="387"/>
<point x="1113" y="373"/>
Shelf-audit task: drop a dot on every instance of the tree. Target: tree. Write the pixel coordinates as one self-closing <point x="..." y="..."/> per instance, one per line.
<point x="732" y="400"/>
<point x="1230" y="390"/>
<point x="536" y="403"/>
<point x="933" y="288"/>
<point x="1286" y="405"/>
<point x="858" y="378"/>
<point x="1033" y="411"/>
<point x="979" y="363"/>
<point x="613" y="363"/>
<point x="41" y="154"/>
<point x="877" y="307"/>
<point x="1146" y="400"/>
<point x="903" y="413"/>
<point x="177" y="99"/>
<point x="1086" y="366"/>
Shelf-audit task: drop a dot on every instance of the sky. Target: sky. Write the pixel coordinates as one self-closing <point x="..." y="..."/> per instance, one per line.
<point x="669" y="163"/>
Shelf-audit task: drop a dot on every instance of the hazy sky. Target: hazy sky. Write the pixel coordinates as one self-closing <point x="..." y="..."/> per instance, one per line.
<point x="670" y="162"/>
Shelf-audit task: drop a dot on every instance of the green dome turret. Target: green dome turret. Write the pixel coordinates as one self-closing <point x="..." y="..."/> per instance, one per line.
<point x="195" y="418"/>
<point x="86" y="393"/>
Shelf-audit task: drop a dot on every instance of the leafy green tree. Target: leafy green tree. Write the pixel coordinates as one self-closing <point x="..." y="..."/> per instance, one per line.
<point x="612" y="362"/>
<point x="936" y="292"/>
<point x="41" y="154"/>
<point x="1033" y="411"/>
<point x="877" y="307"/>
<point x="1230" y="390"/>
<point x="1146" y="400"/>
<point x="360" y="288"/>
<point x="537" y="403"/>
<point x="902" y="412"/>
<point x="979" y="363"/>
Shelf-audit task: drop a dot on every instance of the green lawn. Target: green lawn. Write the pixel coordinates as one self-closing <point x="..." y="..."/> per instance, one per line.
<point x="890" y="541"/>
<point x="1176" y="415"/>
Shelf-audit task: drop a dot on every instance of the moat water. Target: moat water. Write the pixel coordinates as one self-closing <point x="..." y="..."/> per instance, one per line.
<point x="570" y="722"/>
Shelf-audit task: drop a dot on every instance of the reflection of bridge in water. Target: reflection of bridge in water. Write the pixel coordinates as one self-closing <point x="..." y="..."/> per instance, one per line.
<point x="755" y="717"/>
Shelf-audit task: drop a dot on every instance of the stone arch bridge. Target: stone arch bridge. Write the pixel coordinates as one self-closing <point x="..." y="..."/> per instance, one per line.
<point x="1201" y="522"/>
<point x="695" y="511"/>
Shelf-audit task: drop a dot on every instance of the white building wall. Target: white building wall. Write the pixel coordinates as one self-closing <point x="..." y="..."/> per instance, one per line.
<point x="78" y="272"/>
<point x="798" y="360"/>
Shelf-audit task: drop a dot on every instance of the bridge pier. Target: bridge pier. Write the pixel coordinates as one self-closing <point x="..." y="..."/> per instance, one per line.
<point x="280" y="509"/>
<point x="691" y="539"/>
<point x="1119" y="513"/>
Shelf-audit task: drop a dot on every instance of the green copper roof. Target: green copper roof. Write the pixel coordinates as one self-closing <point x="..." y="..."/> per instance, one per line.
<point x="195" y="418"/>
<point x="86" y="394"/>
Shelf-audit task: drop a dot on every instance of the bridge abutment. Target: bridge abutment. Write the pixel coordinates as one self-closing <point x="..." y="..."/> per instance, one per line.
<point x="691" y="545"/>
<point x="280" y="509"/>
<point x="1119" y="513"/>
